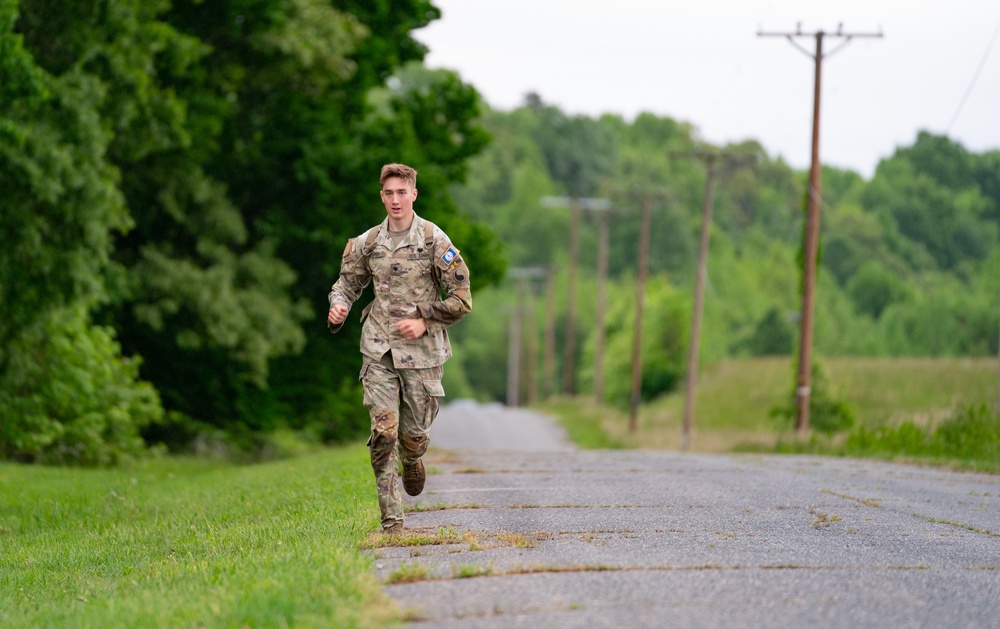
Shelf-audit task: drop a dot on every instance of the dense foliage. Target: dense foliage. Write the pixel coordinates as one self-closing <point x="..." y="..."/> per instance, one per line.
<point x="179" y="181"/>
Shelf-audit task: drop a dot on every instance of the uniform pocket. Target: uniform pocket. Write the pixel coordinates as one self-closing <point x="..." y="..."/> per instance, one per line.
<point x="433" y="388"/>
<point x="367" y="401"/>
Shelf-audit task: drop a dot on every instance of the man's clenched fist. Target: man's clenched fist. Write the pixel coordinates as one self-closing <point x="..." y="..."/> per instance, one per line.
<point x="337" y="314"/>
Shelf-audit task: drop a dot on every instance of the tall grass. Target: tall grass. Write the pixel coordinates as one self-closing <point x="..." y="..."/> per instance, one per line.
<point x="735" y="399"/>
<point x="187" y="543"/>
<point x="970" y="439"/>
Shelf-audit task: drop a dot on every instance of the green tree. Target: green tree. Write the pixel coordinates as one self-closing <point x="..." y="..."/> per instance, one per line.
<point x="772" y="336"/>
<point x="300" y="158"/>
<point x="874" y="287"/>
<point x="66" y="393"/>
<point x="243" y="138"/>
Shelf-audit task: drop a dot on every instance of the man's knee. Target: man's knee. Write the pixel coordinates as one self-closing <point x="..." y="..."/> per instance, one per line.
<point x="382" y="444"/>
<point x="414" y="445"/>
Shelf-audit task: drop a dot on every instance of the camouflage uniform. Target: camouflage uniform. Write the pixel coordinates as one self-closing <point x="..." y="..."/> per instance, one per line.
<point x="402" y="378"/>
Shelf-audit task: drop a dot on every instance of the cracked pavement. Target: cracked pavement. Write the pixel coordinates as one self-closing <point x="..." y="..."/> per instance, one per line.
<point x="518" y="528"/>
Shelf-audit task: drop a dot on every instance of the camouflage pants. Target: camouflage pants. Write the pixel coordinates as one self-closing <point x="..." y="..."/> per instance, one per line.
<point x="402" y="404"/>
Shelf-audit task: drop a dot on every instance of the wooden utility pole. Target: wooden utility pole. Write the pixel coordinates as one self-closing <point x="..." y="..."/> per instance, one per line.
<point x="514" y="354"/>
<point x="569" y="357"/>
<point x="549" y="358"/>
<point x="515" y="339"/>
<point x="531" y="349"/>
<point x="602" y="280"/>
<point x="640" y="297"/>
<point x="711" y="158"/>
<point x="811" y="245"/>
<point x="699" y="300"/>
<point x="576" y="205"/>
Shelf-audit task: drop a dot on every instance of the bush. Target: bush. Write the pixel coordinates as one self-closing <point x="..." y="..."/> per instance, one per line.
<point x="68" y="396"/>
<point x="972" y="435"/>
<point x="826" y="413"/>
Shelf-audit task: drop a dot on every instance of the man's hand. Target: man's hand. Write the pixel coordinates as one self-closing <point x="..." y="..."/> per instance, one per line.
<point x="337" y="314"/>
<point x="411" y="328"/>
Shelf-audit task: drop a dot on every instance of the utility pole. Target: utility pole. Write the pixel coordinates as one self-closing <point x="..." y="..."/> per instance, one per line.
<point x="569" y="358"/>
<point x="531" y="348"/>
<point x="640" y="297"/>
<point x="811" y="244"/>
<point x="602" y="280"/>
<point x="549" y="359"/>
<point x="576" y="205"/>
<point x="514" y="353"/>
<point x="711" y="159"/>
<point x="522" y="275"/>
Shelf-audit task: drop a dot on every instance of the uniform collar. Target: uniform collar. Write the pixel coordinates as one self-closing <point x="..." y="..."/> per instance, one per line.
<point x="413" y="237"/>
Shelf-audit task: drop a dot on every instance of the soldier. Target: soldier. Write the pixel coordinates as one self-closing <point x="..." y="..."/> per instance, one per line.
<point x="404" y="340"/>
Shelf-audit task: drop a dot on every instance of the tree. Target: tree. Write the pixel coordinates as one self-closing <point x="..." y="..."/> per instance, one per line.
<point x="772" y="336"/>
<point x="239" y="143"/>
<point x="66" y="393"/>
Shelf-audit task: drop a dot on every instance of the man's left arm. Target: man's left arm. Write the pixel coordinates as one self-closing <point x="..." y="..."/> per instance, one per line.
<point x="452" y="277"/>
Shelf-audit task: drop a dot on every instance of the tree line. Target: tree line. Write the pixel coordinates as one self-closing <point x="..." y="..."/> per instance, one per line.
<point x="179" y="179"/>
<point x="908" y="258"/>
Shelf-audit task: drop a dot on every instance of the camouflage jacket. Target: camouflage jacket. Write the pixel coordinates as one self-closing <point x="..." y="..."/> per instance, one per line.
<point x="409" y="280"/>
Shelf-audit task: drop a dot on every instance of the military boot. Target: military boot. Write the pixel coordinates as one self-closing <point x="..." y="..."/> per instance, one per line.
<point x="413" y="478"/>
<point x="393" y="530"/>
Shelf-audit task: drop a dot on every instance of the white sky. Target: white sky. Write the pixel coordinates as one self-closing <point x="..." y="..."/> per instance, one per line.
<point x="701" y="61"/>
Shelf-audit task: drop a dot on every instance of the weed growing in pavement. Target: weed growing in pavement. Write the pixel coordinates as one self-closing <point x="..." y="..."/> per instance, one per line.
<point x="516" y="540"/>
<point x="440" y="506"/>
<point x="823" y="520"/>
<point x="868" y="502"/>
<point x="959" y="525"/>
<point x="421" y="506"/>
<point x="420" y="537"/>
<point x="409" y="573"/>
<point x="468" y="570"/>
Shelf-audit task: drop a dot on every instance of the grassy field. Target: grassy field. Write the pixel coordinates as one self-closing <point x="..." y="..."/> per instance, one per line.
<point x="735" y="398"/>
<point x="187" y="543"/>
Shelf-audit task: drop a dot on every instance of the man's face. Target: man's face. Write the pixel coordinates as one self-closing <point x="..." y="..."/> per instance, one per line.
<point x="398" y="196"/>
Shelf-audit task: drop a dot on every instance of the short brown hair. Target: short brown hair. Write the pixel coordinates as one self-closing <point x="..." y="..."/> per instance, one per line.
<point x="404" y="172"/>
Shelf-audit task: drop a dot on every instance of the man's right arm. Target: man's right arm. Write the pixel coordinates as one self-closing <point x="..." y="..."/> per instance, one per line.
<point x="354" y="276"/>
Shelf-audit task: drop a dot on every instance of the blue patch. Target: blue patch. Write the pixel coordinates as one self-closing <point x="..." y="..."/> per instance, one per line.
<point x="449" y="256"/>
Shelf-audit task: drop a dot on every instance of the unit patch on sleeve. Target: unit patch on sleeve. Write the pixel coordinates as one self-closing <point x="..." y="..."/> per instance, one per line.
<point x="348" y="248"/>
<point x="449" y="256"/>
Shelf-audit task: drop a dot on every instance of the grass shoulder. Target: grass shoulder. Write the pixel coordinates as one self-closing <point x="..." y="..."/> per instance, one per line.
<point x="185" y="542"/>
<point x="923" y="410"/>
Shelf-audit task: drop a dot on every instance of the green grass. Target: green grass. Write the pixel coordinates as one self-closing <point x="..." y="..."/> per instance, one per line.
<point x="588" y="426"/>
<point x="969" y="439"/>
<point x="188" y="543"/>
<point x="735" y="398"/>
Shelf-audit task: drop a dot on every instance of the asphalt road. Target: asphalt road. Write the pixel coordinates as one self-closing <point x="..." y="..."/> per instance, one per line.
<point x="552" y="536"/>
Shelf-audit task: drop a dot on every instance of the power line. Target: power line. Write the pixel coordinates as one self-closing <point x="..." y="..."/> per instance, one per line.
<point x="975" y="77"/>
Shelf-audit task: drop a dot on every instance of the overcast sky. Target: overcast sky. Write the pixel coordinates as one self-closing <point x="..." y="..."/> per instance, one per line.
<point x="701" y="61"/>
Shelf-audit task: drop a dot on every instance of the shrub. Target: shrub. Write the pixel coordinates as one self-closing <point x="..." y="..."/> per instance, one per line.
<point x="972" y="434"/>
<point x="68" y="396"/>
<point x="826" y="413"/>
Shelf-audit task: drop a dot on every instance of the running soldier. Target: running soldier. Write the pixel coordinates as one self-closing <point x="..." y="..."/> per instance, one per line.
<point x="404" y="339"/>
